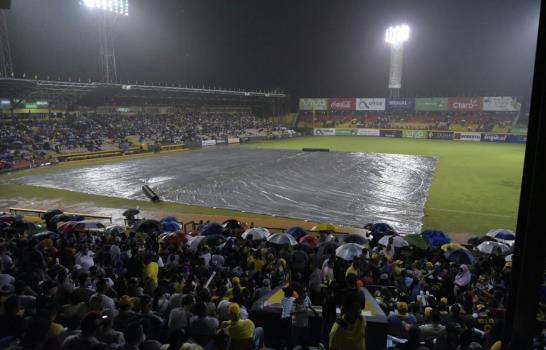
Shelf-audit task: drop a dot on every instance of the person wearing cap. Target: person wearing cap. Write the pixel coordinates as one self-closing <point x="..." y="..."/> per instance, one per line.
<point x="87" y="340"/>
<point x="106" y="333"/>
<point x="349" y="332"/>
<point x="400" y="320"/>
<point x="126" y="314"/>
<point x="242" y="333"/>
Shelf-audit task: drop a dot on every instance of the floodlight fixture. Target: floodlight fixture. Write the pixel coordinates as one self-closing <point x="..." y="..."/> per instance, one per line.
<point x="397" y="34"/>
<point x="118" y="7"/>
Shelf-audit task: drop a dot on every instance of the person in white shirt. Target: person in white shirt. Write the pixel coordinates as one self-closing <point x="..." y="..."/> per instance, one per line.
<point x="84" y="258"/>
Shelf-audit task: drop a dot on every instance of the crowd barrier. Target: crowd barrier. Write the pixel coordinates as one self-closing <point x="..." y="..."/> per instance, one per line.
<point x="424" y="134"/>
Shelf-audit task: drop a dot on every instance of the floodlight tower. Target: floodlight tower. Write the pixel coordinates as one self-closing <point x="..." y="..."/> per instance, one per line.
<point x="396" y="37"/>
<point x="109" y="11"/>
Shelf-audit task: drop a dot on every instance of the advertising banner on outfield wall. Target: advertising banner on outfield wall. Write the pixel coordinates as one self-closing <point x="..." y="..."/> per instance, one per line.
<point x="231" y="140"/>
<point x="467" y="136"/>
<point x="367" y="132"/>
<point x="432" y="104"/>
<point x="400" y="104"/>
<point x="221" y="142"/>
<point x="370" y="104"/>
<point x="346" y="132"/>
<point x="516" y="138"/>
<point x="501" y="103"/>
<point x="440" y="135"/>
<point x="205" y="143"/>
<point x="414" y="134"/>
<point x="465" y="104"/>
<point x="317" y="104"/>
<point x="324" y="132"/>
<point x="341" y="104"/>
<point x="5" y="103"/>
<point x="494" y="137"/>
<point x="390" y="133"/>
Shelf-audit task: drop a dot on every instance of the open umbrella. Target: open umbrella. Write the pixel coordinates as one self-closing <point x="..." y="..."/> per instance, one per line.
<point x="256" y="233"/>
<point x="508" y="257"/>
<point x="327" y="248"/>
<point x="381" y="227"/>
<point x="310" y="240"/>
<point x="451" y="246"/>
<point x="195" y="241"/>
<point x="172" y="238"/>
<point x="168" y="218"/>
<point x="417" y="241"/>
<point x="282" y="239"/>
<point x="170" y="226"/>
<point x="355" y="238"/>
<point x="213" y="240"/>
<point x="493" y="248"/>
<point x="212" y="229"/>
<point x="234" y="226"/>
<point x="296" y="232"/>
<point x="460" y="256"/>
<point x="51" y="213"/>
<point x="44" y="235"/>
<point x="324" y="227"/>
<point x="349" y="251"/>
<point x="502" y="234"/>
<point x="435" y="238"/>
<point x="130" y="212"/>
<point x="148" y="226"/>
<point x="114" y="230"/>
<point x="10" y="218"/>
<point x="397" y="241"/>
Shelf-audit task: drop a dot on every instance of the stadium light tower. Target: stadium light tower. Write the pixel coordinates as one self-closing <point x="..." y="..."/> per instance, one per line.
<point x="396" y="37"/>
<point x="108" y="10"/>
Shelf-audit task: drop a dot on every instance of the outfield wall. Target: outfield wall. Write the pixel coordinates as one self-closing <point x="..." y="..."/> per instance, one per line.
<point x="423" y="134"/>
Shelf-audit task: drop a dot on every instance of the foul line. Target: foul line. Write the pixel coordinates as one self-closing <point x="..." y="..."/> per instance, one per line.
<point x="471" y="212"/>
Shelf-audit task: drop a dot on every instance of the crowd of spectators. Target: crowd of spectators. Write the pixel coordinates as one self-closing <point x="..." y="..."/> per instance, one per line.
<point x="469" y="122"/>
<point x="130" y="290"/>
<point x="36" y="137"/>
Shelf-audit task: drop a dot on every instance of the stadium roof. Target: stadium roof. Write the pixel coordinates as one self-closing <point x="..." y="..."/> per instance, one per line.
<point x="72" y="94"/>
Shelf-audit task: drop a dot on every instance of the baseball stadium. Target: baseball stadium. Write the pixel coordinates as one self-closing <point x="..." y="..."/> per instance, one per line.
<point x="365" y="214"/>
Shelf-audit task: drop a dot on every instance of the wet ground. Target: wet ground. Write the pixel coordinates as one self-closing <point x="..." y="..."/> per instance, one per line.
<point x="345" y="188"/>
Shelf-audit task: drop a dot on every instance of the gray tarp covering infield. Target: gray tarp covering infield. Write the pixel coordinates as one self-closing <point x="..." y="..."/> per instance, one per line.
<point x="344" y="188"/>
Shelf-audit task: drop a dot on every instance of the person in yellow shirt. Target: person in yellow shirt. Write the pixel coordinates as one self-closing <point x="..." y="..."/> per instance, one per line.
<point x="242" y="333"/>
<point x="350" y="331"/>
<point x="151" y="271"/>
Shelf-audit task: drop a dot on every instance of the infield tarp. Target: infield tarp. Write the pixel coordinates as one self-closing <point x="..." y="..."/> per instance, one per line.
<point x="343" y="188"/>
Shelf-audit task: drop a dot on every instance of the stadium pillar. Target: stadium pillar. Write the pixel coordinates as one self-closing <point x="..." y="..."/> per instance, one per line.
<point x="529" y="255"/>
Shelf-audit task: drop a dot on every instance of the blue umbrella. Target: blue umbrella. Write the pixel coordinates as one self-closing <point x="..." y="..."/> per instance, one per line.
<point x="296" y="232"/>
<point x="435" y="238"/>
<point x="170" y="226"/>
<point x="212" y="229"/>
<point x="168" y="218"/>
<point x="505" y="235"/>
<point x="460" y="256"/>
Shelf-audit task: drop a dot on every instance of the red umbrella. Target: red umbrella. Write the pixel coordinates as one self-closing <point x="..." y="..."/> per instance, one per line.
<point x="177" y="238"/>
<point x="310" y="239"/>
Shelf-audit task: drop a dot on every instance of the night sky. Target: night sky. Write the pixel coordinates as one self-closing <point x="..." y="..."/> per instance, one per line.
<point x="305" y="47"/>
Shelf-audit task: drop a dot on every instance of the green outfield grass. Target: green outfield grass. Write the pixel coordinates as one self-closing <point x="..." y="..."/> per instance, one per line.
<point x="476" y="185"/>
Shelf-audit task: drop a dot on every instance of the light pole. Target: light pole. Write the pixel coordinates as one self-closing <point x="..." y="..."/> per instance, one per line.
<point x="109" y="11"/>
<point x="396" y="37"/>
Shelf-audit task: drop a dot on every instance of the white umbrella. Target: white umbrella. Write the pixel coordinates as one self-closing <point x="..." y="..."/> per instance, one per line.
<point x="503" y="235"/>
<point x="349" y="251"/>
<point x="508" y="257"/>
<point x="194" y="242"/>
<point x="282" y="239"/>
<point x="397" y="241"/>
<point x="494" y="248"/>
<point x="257" y="233"/>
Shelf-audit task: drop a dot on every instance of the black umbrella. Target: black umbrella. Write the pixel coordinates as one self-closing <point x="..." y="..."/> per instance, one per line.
<point x="149" y="226"/>
<point x="51" y="226"/>
<point x="130" y="212"/>
<point x="327" y="248"/>
<point x="355" y="238"/>
<point x="234" y="226"/>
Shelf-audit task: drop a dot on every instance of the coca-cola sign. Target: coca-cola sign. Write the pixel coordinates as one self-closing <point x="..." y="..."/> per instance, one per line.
<point x="341" y="104"/>
<point x="465" y="103"/>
